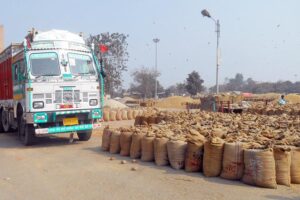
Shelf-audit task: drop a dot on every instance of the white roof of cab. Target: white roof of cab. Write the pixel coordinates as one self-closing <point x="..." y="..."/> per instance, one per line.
<point x="58" y="35"/>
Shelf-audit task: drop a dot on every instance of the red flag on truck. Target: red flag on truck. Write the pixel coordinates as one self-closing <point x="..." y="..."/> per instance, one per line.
<point x="103" y="48"/>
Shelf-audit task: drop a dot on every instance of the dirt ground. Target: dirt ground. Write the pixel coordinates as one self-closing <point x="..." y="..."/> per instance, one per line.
<point x="56" y="169"/>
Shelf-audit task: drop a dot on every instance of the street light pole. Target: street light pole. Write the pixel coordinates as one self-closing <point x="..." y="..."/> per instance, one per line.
<point x="156" y="40"/>
<point x="205" y="13"/>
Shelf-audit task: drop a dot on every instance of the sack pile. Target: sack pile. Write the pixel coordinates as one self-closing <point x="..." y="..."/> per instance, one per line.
<point x="256" y="149"/>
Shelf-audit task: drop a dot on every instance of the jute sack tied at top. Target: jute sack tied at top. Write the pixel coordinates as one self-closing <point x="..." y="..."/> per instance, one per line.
<point x="115" y="142"/>
<point x="160" y="151"/>
<point x="233" y="161"/>
<point x="124" y="115"/>
<point x="259" y="168"/>
<point x="129" y="114"/>
<point x="106" y="139"/>
<point x="112" y="115"/>
<point x="282" y="155"/>
<point x="125" y="143"/>
<point x="212" y="159"/>
<point x="119" y="115"/>
<point x="106" y="115"/>
<point x="193" y="157"/>
<point x="135" y="113"/>
<point x="148" y="148"/>
<point x="295" y="166"/>
<point x="176" y="153"/>
<point x="136" y="146"/>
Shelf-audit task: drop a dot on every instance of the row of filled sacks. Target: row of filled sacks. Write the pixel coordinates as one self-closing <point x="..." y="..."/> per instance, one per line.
<point x="121" y="114"/>
<point x="214" y="157"/>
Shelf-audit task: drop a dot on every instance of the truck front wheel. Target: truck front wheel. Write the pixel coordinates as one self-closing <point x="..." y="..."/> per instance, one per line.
<point x="4" y="124"/>
<point x="25" y="131"/>
<point x="84" y="135"/>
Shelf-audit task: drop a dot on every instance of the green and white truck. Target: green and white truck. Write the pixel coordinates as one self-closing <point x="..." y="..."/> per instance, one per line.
<point x="51" y="83"/>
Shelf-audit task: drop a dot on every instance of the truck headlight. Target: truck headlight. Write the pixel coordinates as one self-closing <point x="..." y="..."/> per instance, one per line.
<point x="93" y="102"/>
<point x="38" y="104"/>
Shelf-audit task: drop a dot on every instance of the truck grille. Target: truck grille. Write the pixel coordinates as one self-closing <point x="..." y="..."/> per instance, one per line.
<point x="67" y="96"/>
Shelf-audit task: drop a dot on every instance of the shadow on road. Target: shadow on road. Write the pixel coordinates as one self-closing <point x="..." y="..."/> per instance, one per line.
<point x="11" y="140"/>
<point x="168" y="169"/>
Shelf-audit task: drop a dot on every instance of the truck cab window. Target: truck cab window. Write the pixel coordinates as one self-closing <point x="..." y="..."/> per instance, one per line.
<point x="44" y="64"/>
<point x="81" y="64"/>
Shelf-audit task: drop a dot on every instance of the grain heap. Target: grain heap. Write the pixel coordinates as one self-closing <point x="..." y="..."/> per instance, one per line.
<point x="260" y="150"/>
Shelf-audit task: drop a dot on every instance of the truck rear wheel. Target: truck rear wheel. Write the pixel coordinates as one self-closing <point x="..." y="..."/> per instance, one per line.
<point x="26" y="132"/>
<point x="4" y="123"/>
<point x="84" y="135"/>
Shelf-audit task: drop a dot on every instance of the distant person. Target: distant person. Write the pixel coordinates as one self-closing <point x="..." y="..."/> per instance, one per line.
<point x="282" y="101"/>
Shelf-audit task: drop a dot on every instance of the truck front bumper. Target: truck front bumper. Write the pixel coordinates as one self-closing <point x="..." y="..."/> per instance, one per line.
<point x="66" y="129"/>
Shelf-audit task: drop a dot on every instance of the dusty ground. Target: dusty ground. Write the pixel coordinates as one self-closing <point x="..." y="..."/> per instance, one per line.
<point x="55" y="169"/>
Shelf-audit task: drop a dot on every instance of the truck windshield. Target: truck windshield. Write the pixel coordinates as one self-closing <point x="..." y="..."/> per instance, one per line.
<point x="44" y="64"/>
<point x="81" y="64"/>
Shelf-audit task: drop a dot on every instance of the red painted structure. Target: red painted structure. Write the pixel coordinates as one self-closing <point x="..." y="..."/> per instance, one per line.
<point x="6" y="82"/>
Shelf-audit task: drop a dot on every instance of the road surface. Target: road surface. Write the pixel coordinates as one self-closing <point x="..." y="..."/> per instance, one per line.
<point x="56" y="169"/>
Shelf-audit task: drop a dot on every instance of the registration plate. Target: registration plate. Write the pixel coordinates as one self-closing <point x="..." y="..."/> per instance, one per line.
<point x="70" y="121"/>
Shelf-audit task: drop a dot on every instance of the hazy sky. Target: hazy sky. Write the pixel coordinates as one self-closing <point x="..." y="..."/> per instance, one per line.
<point x="260" y="39"/>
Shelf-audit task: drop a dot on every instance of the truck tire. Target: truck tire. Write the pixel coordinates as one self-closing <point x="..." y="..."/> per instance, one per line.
<point x="26" y="132"/>
<point x="84" y="135"/>
<point x="1" y="128"/>
<point x="4" y="123"/>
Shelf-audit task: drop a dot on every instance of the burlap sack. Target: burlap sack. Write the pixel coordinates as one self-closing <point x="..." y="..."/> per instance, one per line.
<point x="124" y="115"/>
<point x="295" y="166"/>
<point x="233" y="161"/>
<point x="259" y="168"/>
<point x="160" y="151"/>
<point x="213" y="155"/>
<point x="106" y="139"/>
<point x="129" y="114"/>
<point x="282" y="157"/>
<point x="147" y="148"/>
<point x="115" y="142"/>
<point x="135" y="113"/>
<point x="193" y="157"/>
<point x="136" y="146"/>
<point x="119" y="115"/>
<point x="106" y="115"/>
<point x="112" y="115"/>
<point x="176" y="153"/>
<point x="125" y="143"/>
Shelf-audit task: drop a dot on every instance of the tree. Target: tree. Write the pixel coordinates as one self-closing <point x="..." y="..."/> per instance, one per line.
<point x="194" y="83"/>
<point x="144" y="82"/>
<point x="115" y="59"/>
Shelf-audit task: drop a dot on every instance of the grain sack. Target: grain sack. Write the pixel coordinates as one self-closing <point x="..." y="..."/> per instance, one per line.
<point x="136" y="146"/>
<point x="138" y="121"/>
<point x="160" y="151"/>
<point x="282" y="157"/>
<point x="106" y="115"/>
<point x="119" y="115"/>
<point x="176" y="153"/>
<point x="135" y="113"/>
<point x="124" y="115"/>
<point x="212" y="159"/>
<point x="148" y="148"/>
<point x="259" y="168"/>
<point x="115" y="142"/>
<point x="295" y="166"/>
<point x="233" y="161"/>
<point x="130" y="114"/>
<point x="125" y="142"/>
<point x="193" y="156"/>
<point x="106" y="139"/>
<point x="112" y="115"/>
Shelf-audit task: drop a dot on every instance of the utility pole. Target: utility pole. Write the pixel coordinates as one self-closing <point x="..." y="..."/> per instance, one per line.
<point x="156" y="40"/>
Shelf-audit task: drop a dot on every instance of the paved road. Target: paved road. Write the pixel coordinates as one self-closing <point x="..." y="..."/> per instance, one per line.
<point x="55" y="169"/>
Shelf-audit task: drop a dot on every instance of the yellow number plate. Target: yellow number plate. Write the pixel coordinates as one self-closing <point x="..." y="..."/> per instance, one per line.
<point x="70" y="121"/>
